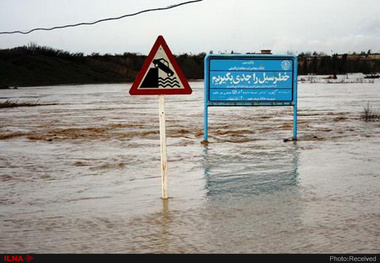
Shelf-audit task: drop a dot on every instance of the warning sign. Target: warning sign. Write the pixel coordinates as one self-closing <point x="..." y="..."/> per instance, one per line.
<point x="160" y="74"/>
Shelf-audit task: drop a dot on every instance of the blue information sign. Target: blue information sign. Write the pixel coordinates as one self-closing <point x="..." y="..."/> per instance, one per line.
<point x="246" y="79"/>
<point x="250" y="80"/>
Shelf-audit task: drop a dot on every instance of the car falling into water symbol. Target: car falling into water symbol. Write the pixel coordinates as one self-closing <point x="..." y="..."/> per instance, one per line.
<point x="162" y="64"/>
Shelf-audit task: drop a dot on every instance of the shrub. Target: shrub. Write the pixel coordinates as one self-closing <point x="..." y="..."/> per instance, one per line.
<point x="369" y="114"/>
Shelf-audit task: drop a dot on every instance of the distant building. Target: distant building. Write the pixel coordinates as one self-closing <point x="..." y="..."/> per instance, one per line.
<point x="266" y="51"/>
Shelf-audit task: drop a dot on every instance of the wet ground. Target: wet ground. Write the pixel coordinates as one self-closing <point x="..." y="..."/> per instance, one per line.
<point x="82" y="175"/>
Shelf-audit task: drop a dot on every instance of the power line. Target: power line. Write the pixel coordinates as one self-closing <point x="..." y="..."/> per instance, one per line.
<point x="97" y="21"/>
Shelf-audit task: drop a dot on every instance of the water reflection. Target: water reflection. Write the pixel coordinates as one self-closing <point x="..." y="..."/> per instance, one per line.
<point x="253" y="199"/>
<point x="165" y="225"/>
<point x="250" y="170"/>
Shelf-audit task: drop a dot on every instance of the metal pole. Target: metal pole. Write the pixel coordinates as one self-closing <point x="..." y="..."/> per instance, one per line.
<point x="164" y="159"/>
<point x="295" y="121"/>
<point x="205" y="133"/>
<point x="295" y="97"/>
<point x="205" y="111"/>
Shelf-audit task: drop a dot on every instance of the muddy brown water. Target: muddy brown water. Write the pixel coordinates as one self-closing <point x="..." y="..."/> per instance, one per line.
<point x="81" y="175"/>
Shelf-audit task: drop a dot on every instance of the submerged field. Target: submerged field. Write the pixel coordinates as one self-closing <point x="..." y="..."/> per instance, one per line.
<point x="80" y="173"/>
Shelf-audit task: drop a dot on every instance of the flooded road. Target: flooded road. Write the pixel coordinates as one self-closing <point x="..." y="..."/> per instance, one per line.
<point x="82" y="174"/>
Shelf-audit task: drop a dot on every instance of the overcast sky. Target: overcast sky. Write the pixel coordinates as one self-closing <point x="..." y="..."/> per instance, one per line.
<point x="220" y="25"/>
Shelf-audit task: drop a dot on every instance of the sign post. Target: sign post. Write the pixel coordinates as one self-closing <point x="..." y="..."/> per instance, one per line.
<point x="164" y="158"/>
<point x="250" y="80"/>
<point x="161" y="75"/>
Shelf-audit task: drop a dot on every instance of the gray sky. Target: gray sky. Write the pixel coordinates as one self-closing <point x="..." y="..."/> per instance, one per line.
<point x="219" y="25"/>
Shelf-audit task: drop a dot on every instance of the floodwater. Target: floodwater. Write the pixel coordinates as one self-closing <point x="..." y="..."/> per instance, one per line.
<point x="81" y="174"/>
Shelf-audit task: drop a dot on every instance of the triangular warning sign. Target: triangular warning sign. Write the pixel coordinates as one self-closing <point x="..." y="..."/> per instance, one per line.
<point x="160" y="74"/>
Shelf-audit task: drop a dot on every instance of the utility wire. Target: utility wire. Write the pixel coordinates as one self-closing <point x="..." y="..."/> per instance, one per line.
<point x="98" y="21"/>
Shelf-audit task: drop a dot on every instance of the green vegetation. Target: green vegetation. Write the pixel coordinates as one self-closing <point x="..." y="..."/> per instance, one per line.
<point x="34" y="65"/>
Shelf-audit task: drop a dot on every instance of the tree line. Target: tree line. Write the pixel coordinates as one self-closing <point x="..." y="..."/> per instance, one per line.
<point x="34" y="65"/>
<point x="321" y="64"/>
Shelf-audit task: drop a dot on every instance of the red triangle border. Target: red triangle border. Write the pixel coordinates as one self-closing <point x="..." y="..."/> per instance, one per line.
<point x="136" y="84"/>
